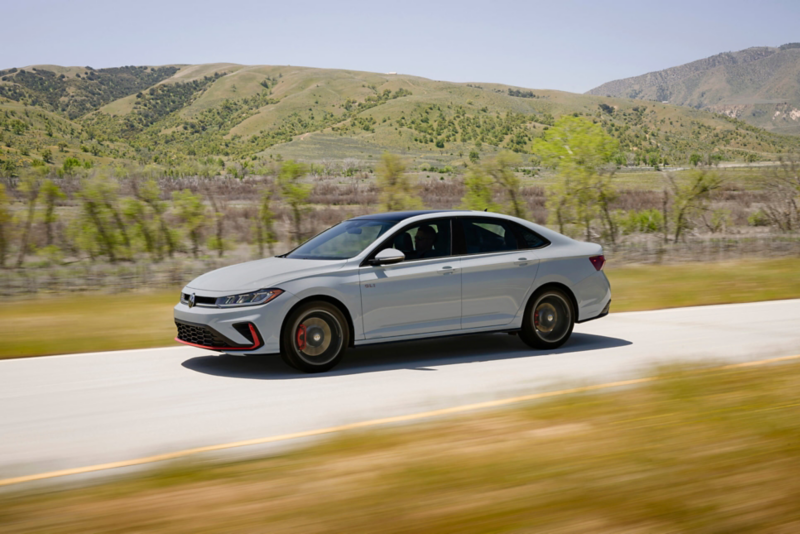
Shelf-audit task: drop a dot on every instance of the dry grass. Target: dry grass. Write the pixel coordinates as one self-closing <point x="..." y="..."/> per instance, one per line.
<point x="702" y="451"/>
<point x="92" y="322"/>
<point x="650" y="287"/>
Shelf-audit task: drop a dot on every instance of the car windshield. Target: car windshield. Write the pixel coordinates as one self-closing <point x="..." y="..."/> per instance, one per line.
<point x="342" y="241"/>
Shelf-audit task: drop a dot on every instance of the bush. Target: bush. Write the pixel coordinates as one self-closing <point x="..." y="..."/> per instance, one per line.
<point x="647" y="221"/>
<point x="759" y="218"/>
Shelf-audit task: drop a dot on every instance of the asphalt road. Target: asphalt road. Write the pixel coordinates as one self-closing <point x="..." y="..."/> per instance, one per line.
<point x="70" y="411"/>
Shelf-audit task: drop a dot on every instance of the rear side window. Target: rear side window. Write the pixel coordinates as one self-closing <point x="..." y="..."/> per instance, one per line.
<point x="482" y="235"/>
<point x="528" y="238"/>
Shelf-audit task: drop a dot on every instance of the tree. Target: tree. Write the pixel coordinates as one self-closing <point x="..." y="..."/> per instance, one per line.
<point x="265" y="224"/>
<point x="295" y="194"/>
<point x="136" y="211"/>
<point x="149" y="193"/>
<point x="190" y="210"/>
<point x="690" y="197"/>
<point x="5" y="222"/>
<point x="397" y="188"/>
<point x="782" y="187"/>
<point x="29" y="187"/>
<point x="579" y="149"/>
<point x="100" y="228"/>
<point x="52" y="194"/>
<point x="474" y="156"/>
<point x="478" y="195"/>
<point x="495" y="174"/>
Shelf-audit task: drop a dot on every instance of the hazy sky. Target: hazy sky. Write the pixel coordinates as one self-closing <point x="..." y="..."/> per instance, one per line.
<point x="567" y="45"/>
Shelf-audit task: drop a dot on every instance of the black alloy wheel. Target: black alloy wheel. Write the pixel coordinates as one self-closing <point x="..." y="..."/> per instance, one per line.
<point x="315" y="337"/>
<point x="549" y="319"/>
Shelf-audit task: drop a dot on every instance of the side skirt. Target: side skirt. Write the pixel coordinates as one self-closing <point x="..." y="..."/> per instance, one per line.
<point x="436" y="335"/>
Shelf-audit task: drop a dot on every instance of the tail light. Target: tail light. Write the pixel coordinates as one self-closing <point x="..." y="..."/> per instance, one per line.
<point x="598" y="261"/>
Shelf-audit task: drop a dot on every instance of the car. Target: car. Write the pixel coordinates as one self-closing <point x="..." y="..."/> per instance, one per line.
<point x="396" y="277"/>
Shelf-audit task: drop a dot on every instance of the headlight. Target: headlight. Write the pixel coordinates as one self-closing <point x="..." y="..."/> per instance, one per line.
<point x="262" y="296"/>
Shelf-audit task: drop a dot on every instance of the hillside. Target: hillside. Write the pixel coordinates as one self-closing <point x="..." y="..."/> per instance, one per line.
<point x="758" y="85"/>
<point x="172" y="115"/>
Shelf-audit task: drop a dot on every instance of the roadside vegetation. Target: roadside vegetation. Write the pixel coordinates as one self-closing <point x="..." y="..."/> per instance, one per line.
<point x="88" y="322"/>
<point x="697" y="450"/>
<point x="123" y="228"/>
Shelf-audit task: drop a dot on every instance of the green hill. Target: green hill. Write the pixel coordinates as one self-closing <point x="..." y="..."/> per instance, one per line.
<point x="171" y="114"/>
<point x="759" y="85"/>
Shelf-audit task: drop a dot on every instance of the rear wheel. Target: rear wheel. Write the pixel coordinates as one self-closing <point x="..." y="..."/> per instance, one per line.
<point x="549" y="319"/>
<point x="315" y="337"/>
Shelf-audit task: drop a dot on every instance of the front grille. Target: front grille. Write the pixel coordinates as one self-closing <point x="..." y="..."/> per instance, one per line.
<point x="200" y="301"/>
<point x="201" y="335"/>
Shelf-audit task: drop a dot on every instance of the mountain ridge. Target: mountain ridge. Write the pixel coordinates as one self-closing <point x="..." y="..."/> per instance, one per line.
<point x="170" y="114"/>
<point x="760" y="85"/>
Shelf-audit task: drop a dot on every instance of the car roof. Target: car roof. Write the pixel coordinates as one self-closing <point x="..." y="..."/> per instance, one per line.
<point x="397" y="216"/>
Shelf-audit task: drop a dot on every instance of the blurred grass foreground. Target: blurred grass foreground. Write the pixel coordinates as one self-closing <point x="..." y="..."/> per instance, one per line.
<point x="712" y="450"/>
<point x="98" y="322"/>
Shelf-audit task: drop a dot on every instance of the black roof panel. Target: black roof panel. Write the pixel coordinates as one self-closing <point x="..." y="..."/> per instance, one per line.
<point x="397" y="216"/>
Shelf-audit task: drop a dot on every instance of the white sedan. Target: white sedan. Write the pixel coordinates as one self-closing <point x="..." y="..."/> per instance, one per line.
<point x="397" y="277"/>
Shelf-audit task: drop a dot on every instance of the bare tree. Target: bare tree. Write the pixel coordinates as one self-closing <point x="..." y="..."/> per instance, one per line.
<point x="783" y="189"/>
<point x="690" y="197"/>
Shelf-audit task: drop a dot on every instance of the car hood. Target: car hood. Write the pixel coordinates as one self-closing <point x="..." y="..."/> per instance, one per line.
<point x="261" y="274"/>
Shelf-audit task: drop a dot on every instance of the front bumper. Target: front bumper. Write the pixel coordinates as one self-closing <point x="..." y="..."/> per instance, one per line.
<point x="227" y="329"/>
<point x="205" y="337"/>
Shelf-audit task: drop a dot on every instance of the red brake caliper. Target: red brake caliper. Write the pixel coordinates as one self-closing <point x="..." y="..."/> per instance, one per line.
<point x="536" y="319"/>
<point x="301" y="337"/>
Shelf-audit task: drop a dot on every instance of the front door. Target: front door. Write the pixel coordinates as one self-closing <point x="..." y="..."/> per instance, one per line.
<point x="419" y="295"/>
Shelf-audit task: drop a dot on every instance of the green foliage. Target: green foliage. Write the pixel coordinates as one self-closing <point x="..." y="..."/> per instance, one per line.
<point x="295" y="194"/>
<point x="5" y="224"/>
<point x="29" y="188"/>
<point x="500" y="170"/>
<point x="99" y="230"/>
<point x="191" y="212"/>
<point x="690" y="197"/>
<point x="265" y="224"/>
<point x="397" y="188"/>
<point x="758" y="218"/>
<point x="75" y="97"/>
<point x="648" y="221"/>
<point x="478" y="194"/>
<point x="70" y="166"/>
<point x="578" y="149"/>
<point x="51" y="194"/>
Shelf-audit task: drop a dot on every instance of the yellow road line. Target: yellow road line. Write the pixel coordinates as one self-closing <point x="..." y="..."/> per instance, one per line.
<point x="362" y="424"/>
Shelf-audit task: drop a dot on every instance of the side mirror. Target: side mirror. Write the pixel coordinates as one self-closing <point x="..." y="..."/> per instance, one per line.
<point x="387" y="257"/>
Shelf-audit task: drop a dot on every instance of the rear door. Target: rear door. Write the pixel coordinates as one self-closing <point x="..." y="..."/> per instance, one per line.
<point x="419" y="295"/>
<point x="497" y="268"/>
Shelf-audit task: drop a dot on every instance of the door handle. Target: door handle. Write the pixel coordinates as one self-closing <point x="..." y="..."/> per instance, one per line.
<point x="522" y="262"/>
<point x="447" y="269"/>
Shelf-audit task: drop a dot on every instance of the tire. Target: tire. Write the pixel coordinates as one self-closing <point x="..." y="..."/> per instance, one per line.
<point x="315" y="337"/>
<point x="549" y="319"/>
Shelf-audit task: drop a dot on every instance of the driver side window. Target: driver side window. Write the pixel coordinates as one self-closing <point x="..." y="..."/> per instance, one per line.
<point x="427" y="239"/>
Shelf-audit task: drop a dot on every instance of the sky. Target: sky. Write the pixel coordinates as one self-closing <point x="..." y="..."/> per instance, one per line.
<point x="566" y="45"/>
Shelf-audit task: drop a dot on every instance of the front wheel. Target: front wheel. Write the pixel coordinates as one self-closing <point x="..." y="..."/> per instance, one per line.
<point x="549" y="319"/>
<point x="315" y="337"/>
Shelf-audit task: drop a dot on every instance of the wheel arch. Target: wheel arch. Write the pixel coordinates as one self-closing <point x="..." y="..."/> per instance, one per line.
<point x="322" y="298"/>
<point x="561" y="287"/>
